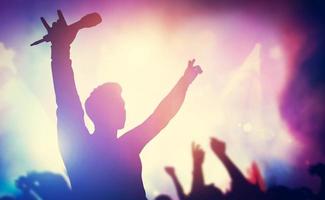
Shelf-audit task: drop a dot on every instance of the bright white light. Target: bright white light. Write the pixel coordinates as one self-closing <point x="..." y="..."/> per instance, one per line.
<point x="247" y="127"/>
<point x="276" y="53"/>
<point x="7" y="57"/>
<point x="147" y="59"/>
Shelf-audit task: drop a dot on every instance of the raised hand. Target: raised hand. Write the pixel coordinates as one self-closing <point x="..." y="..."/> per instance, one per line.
<point x="197" y="153"/>
<point x="60" y="33"/>
<point x="170" y="170"/>
<point x="192" y="71"/>
<point x="179" y="188"/>
<point x="218" y="147"/>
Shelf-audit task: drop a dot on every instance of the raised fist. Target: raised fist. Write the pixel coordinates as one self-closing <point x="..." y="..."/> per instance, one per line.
<point x="218" y="147"/>
<point x="170" y="170"/>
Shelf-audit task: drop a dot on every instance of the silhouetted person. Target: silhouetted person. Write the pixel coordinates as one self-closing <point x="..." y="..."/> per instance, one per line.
<point x="240" y="186"/>
<point x="255" y="177"/>
<point x="199" y="191"/>
<point x="285" y="193"/>
<point x="279" y="193"/>
<point x="24" y="185"/>
<point x="45" y="186"/>
<point x="179" y="188"/>
<point x="102" y="166"/>
<point x="41" y="186"/>
<point x="198" y="178"/>
<point x="319" y="170"/>
<point x="163" y="197"/>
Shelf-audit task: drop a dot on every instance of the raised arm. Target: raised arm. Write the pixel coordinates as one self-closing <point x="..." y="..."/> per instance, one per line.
<point x="198" y="178"/>
<point x="166" y="110"/>
<point x="219" y="148"/>
<point x="69" y="110"/>
<point x="179" y="189"/>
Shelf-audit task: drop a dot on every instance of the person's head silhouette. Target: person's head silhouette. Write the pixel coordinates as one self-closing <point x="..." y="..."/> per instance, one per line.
<point x="105" y="107"/>
<point x="163" y="197"/>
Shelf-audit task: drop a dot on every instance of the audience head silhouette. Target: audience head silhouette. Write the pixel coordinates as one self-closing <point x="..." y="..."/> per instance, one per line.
<point x="105" y="107"/>
<point x="163" y="197"/>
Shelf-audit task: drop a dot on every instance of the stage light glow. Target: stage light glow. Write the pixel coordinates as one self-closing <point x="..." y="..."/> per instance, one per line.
<point x="147" y="61"/>
<point x="147" y="58"/>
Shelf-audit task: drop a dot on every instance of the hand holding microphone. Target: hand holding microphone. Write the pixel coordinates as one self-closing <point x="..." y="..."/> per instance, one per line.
<point x="62" y="34"/>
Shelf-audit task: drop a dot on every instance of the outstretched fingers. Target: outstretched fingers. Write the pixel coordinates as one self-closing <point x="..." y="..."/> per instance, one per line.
<point x="194" y="147"/>
<point x="61" y="17"/>
<point x="191" y="63"/>
<point x="61" y="20"/>
<point x="45" y="24"/>
<point x="192" y="67"/>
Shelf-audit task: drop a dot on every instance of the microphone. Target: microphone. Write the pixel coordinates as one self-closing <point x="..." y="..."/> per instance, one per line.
<point x="86" y="21"/>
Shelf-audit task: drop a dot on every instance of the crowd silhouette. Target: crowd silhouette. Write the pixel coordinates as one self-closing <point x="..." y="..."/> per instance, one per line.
<point x="103" y="166"/>
<point x="241" y="187"/>
<point x="41" y="185"/>
<point x="51" y="186"/>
